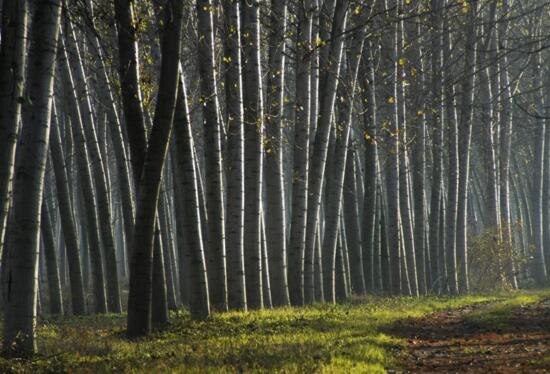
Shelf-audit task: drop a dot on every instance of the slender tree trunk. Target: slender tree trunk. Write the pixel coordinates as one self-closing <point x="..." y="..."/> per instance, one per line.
<point x="352" y="225"/>
<point x="275" y="193"/>
<point x="418" y="168"/>
<point x="54" y="285"/>
<point x="198" y="295"/>
<point x="86" y="184"/>
<point x="538" y="262"/>
<point x="67" y="219"/>
<point x="235" y="146"/>
<point x="159" y="310"/>
<point x="217" y="271"/>
<point x="405" y="202"/>
<point x="254" y="128"/>
<point x="392" y="159"/>
<point x="88" y="130"/>
<point x="506" y="137"/>
<point x="435" y="117"/>
<point x="300" y="175"/>
<point x="371" y="176"/>
<point x="465" y="135"/>
<point x="319" y="156"/>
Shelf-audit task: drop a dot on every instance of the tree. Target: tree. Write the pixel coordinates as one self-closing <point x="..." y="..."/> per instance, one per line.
<point x="141" y="270"/>
<point x="21" y="270"/>
<point x="12" y="54"/>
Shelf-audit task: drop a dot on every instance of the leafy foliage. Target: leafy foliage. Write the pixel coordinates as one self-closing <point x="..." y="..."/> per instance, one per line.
<point x="492" y="258"/>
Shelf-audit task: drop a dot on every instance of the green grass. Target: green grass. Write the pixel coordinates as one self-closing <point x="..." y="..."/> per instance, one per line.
<point x="497" y="315"/>
<point x="322" y="338"/>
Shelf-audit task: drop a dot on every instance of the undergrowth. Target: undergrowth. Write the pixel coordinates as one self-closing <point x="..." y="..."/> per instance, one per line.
<point x="320" y="338"/>
<point x="497" y="315"/>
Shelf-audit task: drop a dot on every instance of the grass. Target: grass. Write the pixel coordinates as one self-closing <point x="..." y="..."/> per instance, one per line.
<point x="497" y="315"/>
<point x="323" y="338"/>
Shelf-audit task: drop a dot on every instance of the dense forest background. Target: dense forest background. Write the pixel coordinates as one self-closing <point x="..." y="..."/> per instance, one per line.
<point x="253" y="154"/>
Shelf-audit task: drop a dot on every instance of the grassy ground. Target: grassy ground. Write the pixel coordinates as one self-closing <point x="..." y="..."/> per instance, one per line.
<point x="498" y="314"/>
<point x="326" y="339"/>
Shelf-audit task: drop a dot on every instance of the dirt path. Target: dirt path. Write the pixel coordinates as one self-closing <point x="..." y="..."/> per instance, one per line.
<point x="449" y="342"/>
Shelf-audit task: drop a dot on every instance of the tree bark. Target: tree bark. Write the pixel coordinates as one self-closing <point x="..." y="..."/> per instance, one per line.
<point x="235" y="146"/>
<point x="217" y="271"/>
<point x="141" y="270"/>
<point x="12" y="76"/>
<point x="21" y="269"/>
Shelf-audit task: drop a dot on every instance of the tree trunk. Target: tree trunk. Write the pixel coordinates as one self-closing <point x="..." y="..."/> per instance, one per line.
<point x="198" y="295"/>
<point x="302" y="123"/>
<point x="435" y="118"/>
<point x="235" y="146"/>
<point x="21" y="269"/>
<point x="319" y="156"/>
<point x="275" y="194"/>
<point x="254" y="129"/>
<point x="352" y="226"/>
<point x="54" y="285"/>
<point x="67" y="219"/>
<point x="12" y="76"/>
<point x="371" y="176"/>
<point x="141" y="270"/>
<point x="86" y="184"/>
<point x="465" y="135"/>
<point x="88" y="130"/>
<point x="217" y="272"/>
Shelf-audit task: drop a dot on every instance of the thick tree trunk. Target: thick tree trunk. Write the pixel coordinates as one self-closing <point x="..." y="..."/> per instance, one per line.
<point x="21" y="268"/>
<point x="12" y="70"/>
<point x="141" y="270"/>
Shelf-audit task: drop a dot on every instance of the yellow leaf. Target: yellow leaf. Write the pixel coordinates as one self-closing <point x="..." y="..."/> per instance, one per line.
<point x="401" y="61"/>
<point x="391" y="100"/>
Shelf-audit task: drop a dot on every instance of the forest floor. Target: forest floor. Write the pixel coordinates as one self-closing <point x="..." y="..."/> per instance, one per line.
<point x="505" y="336"/>
<point x="494" y="333"/>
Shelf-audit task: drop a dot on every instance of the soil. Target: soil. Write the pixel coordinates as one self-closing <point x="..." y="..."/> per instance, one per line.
<point x="445" y="342"/>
